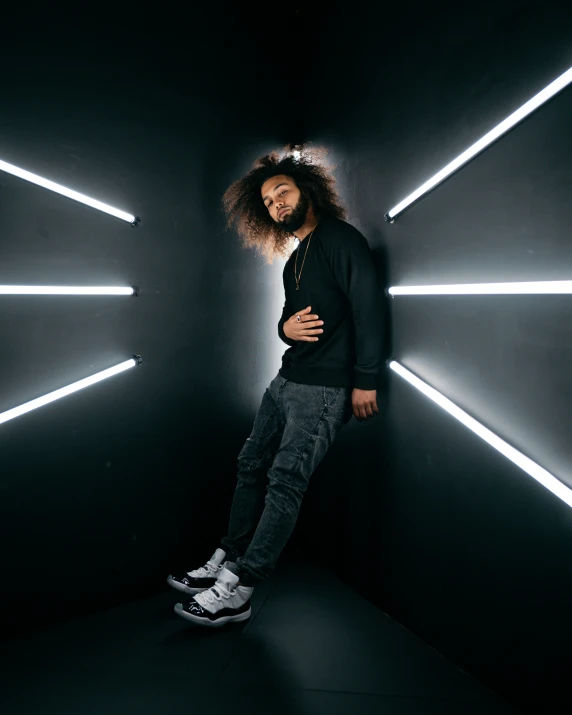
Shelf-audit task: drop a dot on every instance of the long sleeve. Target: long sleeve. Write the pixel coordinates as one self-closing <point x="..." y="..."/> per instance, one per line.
<point x="286" y="313"/>
<point x="349" y="257"/>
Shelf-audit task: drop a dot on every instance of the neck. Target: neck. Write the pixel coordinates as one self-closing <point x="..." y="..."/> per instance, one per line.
<point x="309" y="226"/>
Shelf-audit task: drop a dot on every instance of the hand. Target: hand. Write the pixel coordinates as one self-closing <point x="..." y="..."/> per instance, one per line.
<point x="364" y="404"/>
<point x="304" y="329"/>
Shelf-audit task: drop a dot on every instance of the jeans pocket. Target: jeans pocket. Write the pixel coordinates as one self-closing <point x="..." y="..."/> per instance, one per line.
<point x="333" y="396"/>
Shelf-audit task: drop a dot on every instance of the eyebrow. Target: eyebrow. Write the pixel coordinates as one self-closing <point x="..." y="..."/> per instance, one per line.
<point x="274" y="189"/>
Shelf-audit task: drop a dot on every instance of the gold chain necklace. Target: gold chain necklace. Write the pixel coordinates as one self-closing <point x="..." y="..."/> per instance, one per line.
<point x="296" y="260"/>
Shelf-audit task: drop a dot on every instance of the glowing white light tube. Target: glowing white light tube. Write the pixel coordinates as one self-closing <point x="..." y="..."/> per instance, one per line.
<point x="65" y="290"/>
<point x="532" y="104"/>
<point x="47" y="184"/>
<point x="533" y="288"/>
<point x="74" y="387"/>
<point x="535" y="470"/>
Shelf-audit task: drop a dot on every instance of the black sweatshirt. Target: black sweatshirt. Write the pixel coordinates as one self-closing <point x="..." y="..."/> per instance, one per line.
<point x="339" y="282"/>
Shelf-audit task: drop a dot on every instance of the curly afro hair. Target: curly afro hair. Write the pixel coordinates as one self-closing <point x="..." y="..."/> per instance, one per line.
<point x="243" y="205"/>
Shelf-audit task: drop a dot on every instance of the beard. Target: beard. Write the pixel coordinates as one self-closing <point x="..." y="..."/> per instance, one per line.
<point x="296" y="217"/>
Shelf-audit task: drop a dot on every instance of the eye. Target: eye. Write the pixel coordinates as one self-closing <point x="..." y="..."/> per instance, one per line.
<point x="280" y="194"/>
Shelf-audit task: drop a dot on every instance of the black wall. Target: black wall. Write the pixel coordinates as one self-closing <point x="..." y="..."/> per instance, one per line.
<point x="107" y="491"/>
<point x="469" y="552"/>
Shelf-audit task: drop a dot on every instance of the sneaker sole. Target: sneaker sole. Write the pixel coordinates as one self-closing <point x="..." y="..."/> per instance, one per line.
<point x="186" y="589"/>
<point x="207" y="622"/>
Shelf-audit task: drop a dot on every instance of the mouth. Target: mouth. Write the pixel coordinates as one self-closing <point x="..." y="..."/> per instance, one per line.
<point x="282" y="212"/>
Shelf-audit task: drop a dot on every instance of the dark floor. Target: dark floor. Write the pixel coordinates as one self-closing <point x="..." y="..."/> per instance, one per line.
<point x="312" y="646"/>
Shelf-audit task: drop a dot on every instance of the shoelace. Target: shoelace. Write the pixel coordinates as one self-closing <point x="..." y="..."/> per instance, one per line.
<point x="217" y="593"/>
<point x="204" y="570"/>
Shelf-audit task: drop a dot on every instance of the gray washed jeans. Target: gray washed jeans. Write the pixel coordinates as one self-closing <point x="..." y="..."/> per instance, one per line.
<point x="293" y="429"/>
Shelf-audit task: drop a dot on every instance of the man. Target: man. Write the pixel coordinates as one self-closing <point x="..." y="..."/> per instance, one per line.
<point x="332" y="323"/>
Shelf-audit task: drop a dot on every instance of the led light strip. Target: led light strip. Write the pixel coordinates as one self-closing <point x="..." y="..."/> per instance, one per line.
<point x="532" y="104"/>
<point x="67" y="290"/>
<point x="74" y="387"/>
<point x="535" y="470"/>
<point x="533" y="288"/>
<point x="47" y="184"/>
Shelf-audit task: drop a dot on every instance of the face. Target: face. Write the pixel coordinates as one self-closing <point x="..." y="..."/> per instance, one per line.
<point x="286" y="204"/>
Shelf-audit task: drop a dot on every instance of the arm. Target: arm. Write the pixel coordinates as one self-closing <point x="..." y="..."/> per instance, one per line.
<point x="349" y="256"/>
<point x="287" y="312"/>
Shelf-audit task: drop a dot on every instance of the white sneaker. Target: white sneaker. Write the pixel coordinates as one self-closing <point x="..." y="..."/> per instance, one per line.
<point x="225" y="602"/>
<point x="200" y="579"/>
